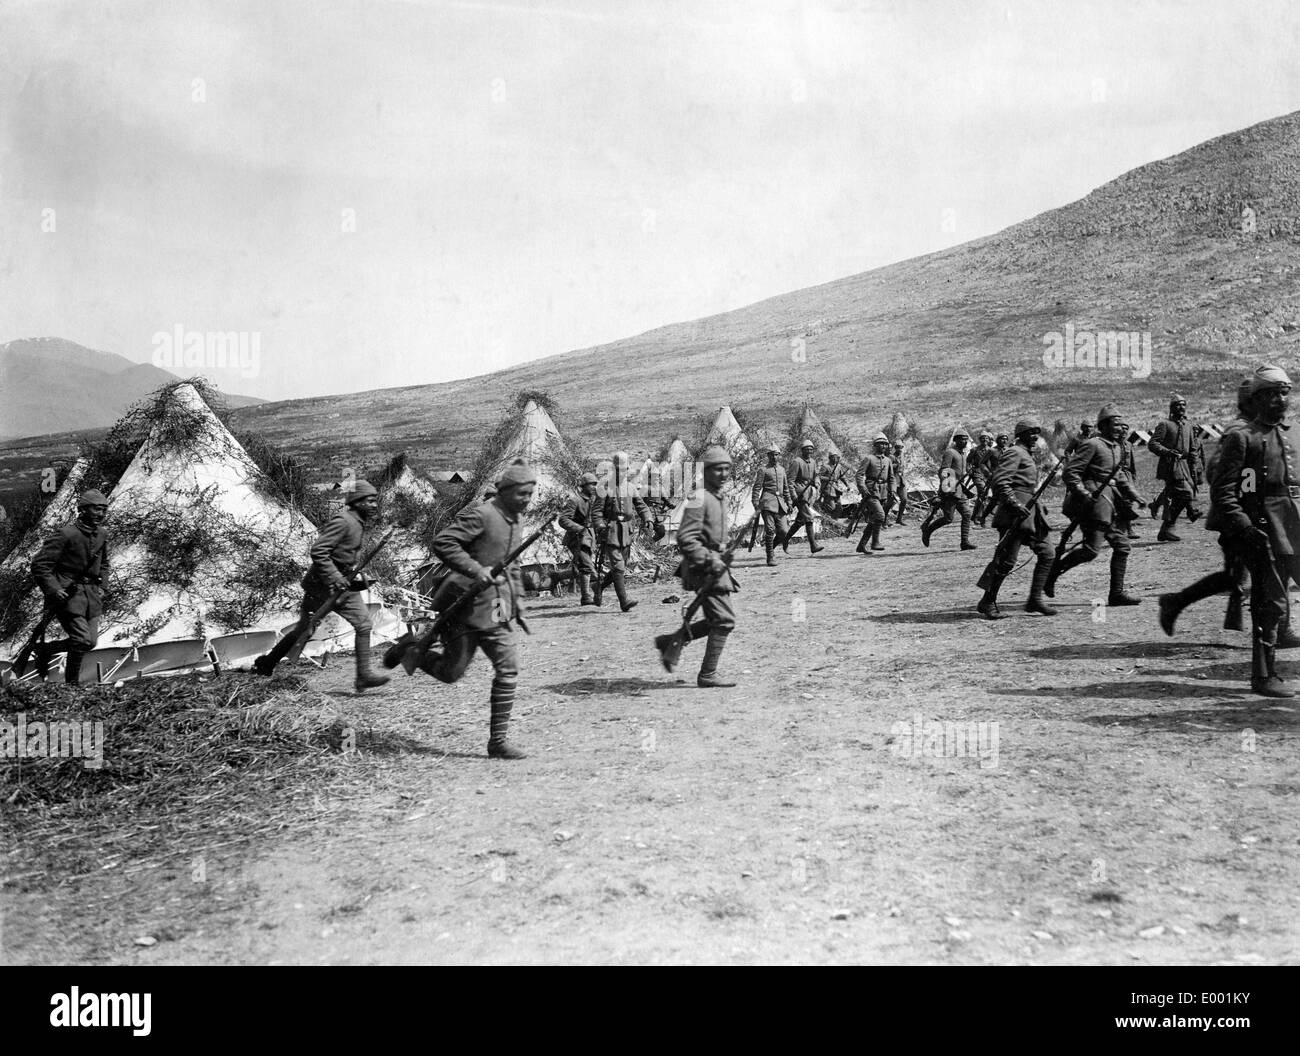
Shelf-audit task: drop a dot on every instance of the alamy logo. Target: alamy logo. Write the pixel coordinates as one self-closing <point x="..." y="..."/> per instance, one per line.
<point x="178" y="349"/>
<point x="1098" y="350"/>
<point x="919" y="739"/>
<point x="52" y="740"/>
<point x="76" y="1009"/>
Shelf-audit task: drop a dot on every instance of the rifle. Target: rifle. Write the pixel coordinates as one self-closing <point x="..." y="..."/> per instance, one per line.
<point x="598" y="580"/>
<point x="671" y="652"/>
<point x="331" y="603"/>
<point x="470" y="593"/>
<point x="986" y="580"/>
<point x="25" y="653"/>
<point x="1232" y="615"/>
<point x="1075" y="521"/>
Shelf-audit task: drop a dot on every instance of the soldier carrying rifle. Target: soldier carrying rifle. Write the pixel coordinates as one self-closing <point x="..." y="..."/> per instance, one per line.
<point x="578" y="522"/>
<point x="875" y="480"/>
<point x="802" y="475"/>
<point x="953" y="492"/>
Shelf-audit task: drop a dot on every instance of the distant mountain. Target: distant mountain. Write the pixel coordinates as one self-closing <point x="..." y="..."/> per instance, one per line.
<point x="49" y="385"/>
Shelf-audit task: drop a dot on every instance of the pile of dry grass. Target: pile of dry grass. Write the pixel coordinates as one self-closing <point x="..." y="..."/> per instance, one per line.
<point x="189" y="765"/>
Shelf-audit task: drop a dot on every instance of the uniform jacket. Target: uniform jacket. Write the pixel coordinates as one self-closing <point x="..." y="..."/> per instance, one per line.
<point x="616" y="517"/>
<point x="875" y="476"/>
<point x="335" y="552"/>
<point x="956" y="462"/>
<point x="982" y="462"/>
<point x="1015" y="479"/>
<point x="75" y="559"/>
<point x="578" y="522"/>
<point x="701" y="537"/>
<point x="1254" y="466"/>
<point x="900" y="482"/>
<point x="802" y="475"/>
<point x="835" y="481"/>
<point x="1171" y="441"/>
<point x="1085" y="470"/>
<point x="772" y="490"/>
<point x="480" y="537"/>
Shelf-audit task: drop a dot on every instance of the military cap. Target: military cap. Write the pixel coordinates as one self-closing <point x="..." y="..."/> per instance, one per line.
<point x="1244" y="390"/>
<point x="361" y="489"/>
<point x="773" y="449"/>
<point x="1085" y="425"/>
<point x="1176" y="398"/>
<point x="715" y="456"/>
<point x="806" y="443"/>
<point x="91" y="498"/>
<point x="833" y="454"/>
<point x="1003" y="436"/>
<point x="959" y="431"/>
<point x="518" y="472"/>
<point x="985" y="433"/>
<point x="880" y="438"/>
<point x="1108" y="412"/>
<point x="1026" y="425"/>
<point x="1268" y="378"/>
<point x="590" y="478"/>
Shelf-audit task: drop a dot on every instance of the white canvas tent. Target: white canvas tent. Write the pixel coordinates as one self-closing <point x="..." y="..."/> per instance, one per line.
<point x="406" y="488"/>
<point x="58" y="512"/>
<point x="811" y="428"/>
<point x="726" y="432"/>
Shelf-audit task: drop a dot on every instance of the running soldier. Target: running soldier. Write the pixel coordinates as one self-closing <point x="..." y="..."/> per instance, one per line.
<point x="802" y="475"/>
<point x="578" y="523"/>
<point x="875" y="480"/>
<point x="1095" y="482"/>
<point x="1253" y="502"/>
<point x="771" y="498"/>
<point x="1014" y="484"/>
<point x="983" y="460"/>
<point x="1085" y="433"/>
<point x="334" y="554"/>
<point x="1182" y="465"/>
<point x="900" y="484"/>
<point x="954" y="493"/>
<point x="701" y="540"/>
<point x="70" y="569"/>
<point x="835" y="482"/>
<point x="613" y="523"/>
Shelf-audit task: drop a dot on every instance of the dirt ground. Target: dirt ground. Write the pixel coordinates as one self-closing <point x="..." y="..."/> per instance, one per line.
<point x="1137" y="806"/>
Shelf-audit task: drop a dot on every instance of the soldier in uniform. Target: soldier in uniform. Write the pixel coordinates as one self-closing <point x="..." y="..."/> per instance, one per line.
<point x="900" y="484"/>
<point x="802" y="475"/>
<point x="480" y="537"/>
<point x="333" y="556"/>
<point x="1085" y="433"/>
<point x="1014" y="482"/>
<point x="1255" y="504"/>
<point x="875" y="480"/>
<point x="613" y="521"/>
<point x="982" y="460"/>
<point x="1181" y="467"/>
<point x="1095" y="483"/>
<point x="771" y="498"/>
<point x="835" y="481"/>
<point x="1125" y="515"/>
<point x="578" y="524"/>
<point x="701" y="539"/>
<point x="953" y="492"/>
<point x="69" y="570"/>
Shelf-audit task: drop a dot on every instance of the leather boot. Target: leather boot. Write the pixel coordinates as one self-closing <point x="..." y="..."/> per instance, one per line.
<point x="1286" y="638"/>
<point x="1036" y="604"/>
<point x="785" y="543"/>
<point x="708" y="678"/>
<point x="584" y="584"/>
<point x="41" y="657"/>
<point x="812" y="541"/>
<point x="1118" y="567"/>
<point x="1264" y="678"/>
<point x="503" y="702"/>
<point x="1166" y="535"/>
<point x="769" y="544"/>
<point x="366" y="678"/>
<point x="865" y="540"/>
<point x="927" y="529"/>
<point x="394" y="653"/>
<point x="1071" y="560"/>
<point x="875" y="538"/>
<point x="620" y="588"/>
<point x="988" y="604"/>
<point x="966" y="544"/>
<point x="72" y="673"/>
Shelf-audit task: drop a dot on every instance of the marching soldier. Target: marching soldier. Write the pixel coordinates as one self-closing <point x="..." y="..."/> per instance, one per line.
<point x="481" y="536"/>
<point x="578" y="522"/>
<point x="983" y="461"/>
<point x="1085" y="433"/>
<point x="613" y="522"/>
<point x="1181" y="467"/>
<point x="69" y="570"/>
<point x="1253" y="502"/>
<point x="835" y="481"/>
<point x="953" y="493"/>
<point x="875" y="480"/>
<point x="701" y="539"/>
<point x="1000" y="444"/>
<point x="1096" y="483"/>
<point x="333" y="556"/>
<point x="1014" y="484"/>
<point x="900" y="484"/>
<point x="1125" y="515"/>
<point x="802" y="475"/>
<point x="771" y="498"/>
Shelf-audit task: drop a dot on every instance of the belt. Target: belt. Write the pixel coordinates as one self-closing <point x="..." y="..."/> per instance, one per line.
<point x="1291" y="491"/>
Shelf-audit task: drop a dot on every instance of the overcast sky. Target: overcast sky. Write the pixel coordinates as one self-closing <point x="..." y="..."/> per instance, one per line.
<point x="524" y="179"/>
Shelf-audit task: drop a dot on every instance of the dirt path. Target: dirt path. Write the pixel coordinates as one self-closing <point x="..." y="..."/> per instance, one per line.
<point x="1140" y="806"/>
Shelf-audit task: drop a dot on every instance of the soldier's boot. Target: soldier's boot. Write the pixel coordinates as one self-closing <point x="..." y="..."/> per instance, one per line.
<point x="41" y="657"/>
<point x="1036" y="604"/>
<point x="785" y="543"/>
<point x="396" y="652"/>
<point x="1172" y="604"/>
<point x="927" y="529"/>
<point x="1131" y="532"/>
<point x="503" y="702"/>
<point x="1287" y="638"/>
<point x="1118" y="567"/>
<point x="584" y="584"/>
<point x="1166" y="533"/>
<point x="72" y="672"/>
<point x="265" y="665"/>
<point x="875" y="538"/>
<point x="1071" y="560"/>
<point x="1162" y="500"/>
<point x="620" y="588"/>
<point x="812" y="541"/>
<point x="769" y="544"/>
<point x="988" y="604"/>
<point x="366" y="678"/>
<point x="1264" y="678"/>
<point x="865" y="540"/>
<point x="597" y="591"/>
<point x="708" y="678"/>
<point x="966" y="544"/>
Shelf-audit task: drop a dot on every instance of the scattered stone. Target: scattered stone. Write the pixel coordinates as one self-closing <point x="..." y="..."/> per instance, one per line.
<point x="959" y="936"/>
<point x="1045" y="936"/>
<point x="563" y="836"/>
<point x="1153" y="932"/>
<point x="146" y="940"/>
<point x="952" y="922"/>
<point x="841" y="914"/>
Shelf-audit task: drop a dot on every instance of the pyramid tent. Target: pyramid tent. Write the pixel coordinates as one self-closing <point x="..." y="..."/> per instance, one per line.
<point x="726" y="432"/>
<point x="405" y="494"/>
<point x="58" y="512"/>
<point x="811" y="428"/>
<point x="674" y="470"/>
